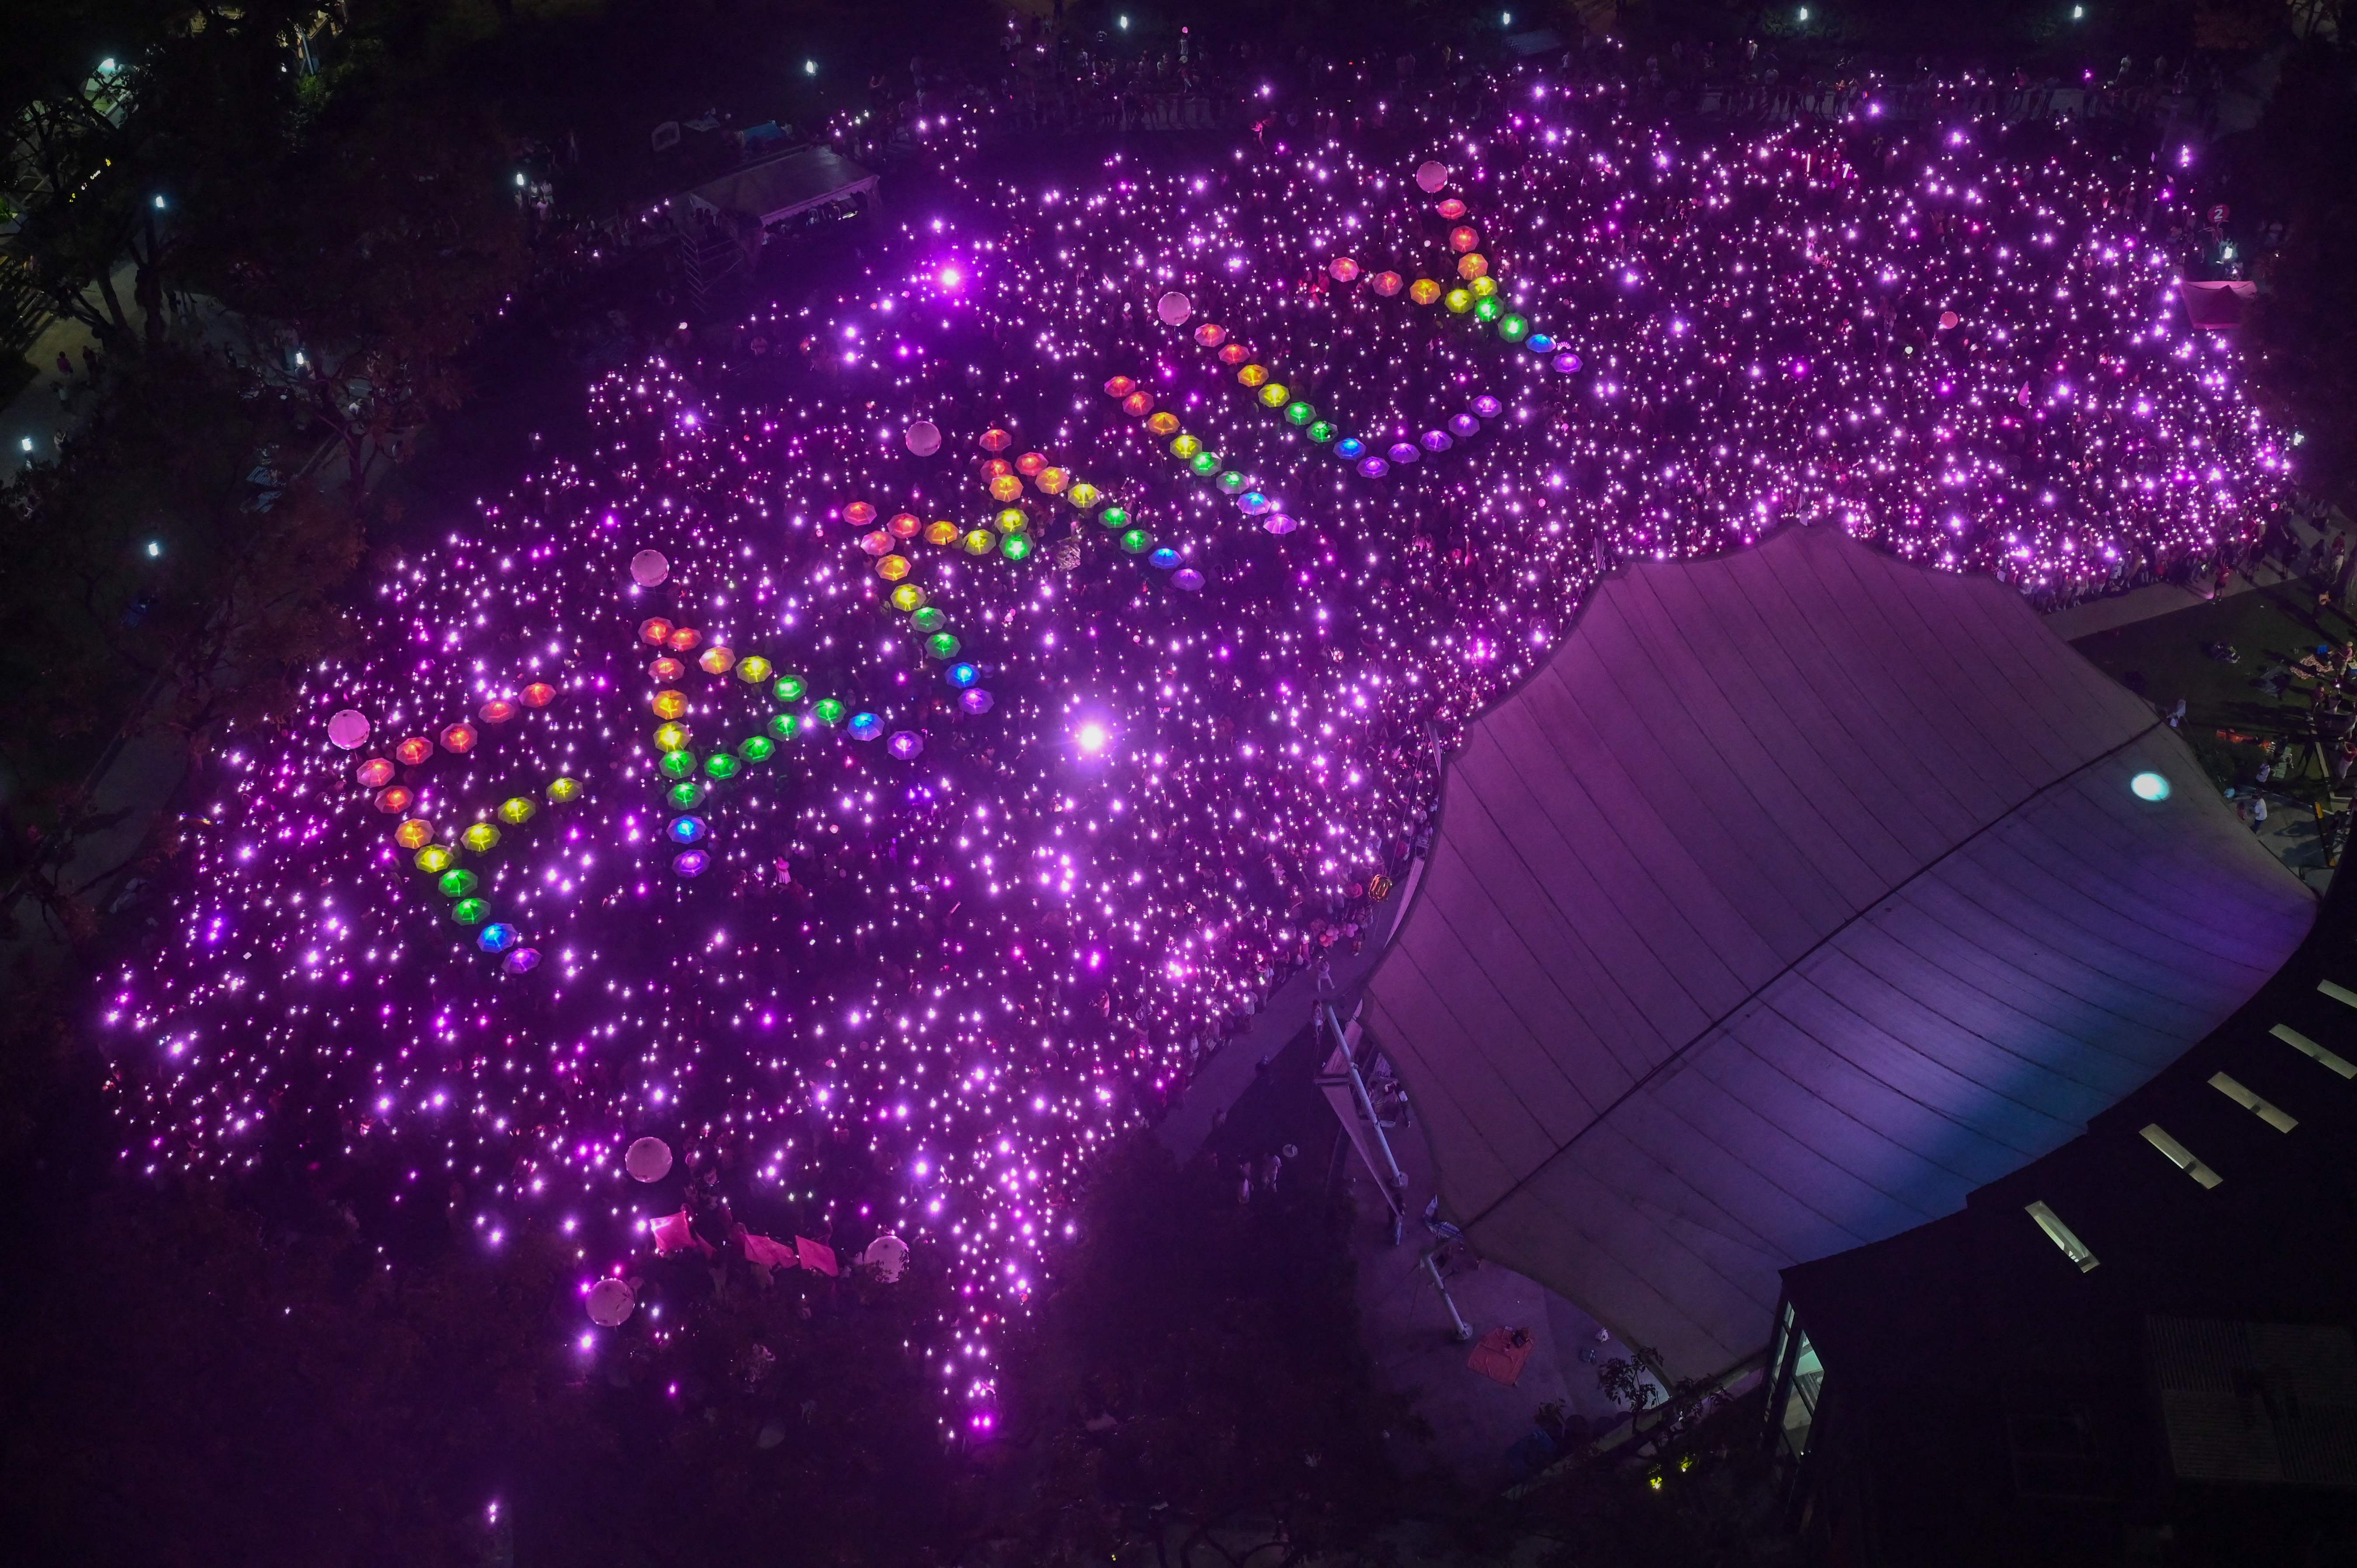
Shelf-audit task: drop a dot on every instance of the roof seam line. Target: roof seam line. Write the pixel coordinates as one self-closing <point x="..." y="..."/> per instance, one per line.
<point x="1711" y="1029"/>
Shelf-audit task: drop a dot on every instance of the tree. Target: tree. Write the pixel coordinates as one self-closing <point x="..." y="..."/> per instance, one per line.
<point x="1712" y="1502"/>
<point x="213" y="107"/>
<point x="159" y="575"/>
<point x="1196" y="1380"/>
<point x="367" y="257"/>
<point x="65" y="140"/>
<point x="2307" y="319"/>
<point x="1636" y="1380"/>
<point x="191" y="1384"/>
<point x="125" y="121"/>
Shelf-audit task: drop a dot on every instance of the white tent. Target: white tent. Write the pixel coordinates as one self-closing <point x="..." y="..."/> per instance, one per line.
<point x="783" y="187"/>
<point x="1802" y="892"/>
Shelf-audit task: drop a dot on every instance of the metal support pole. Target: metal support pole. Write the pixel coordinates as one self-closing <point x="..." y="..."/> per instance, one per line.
<point x="1366" y="1104"/>
<point x="1464" y="1329"/>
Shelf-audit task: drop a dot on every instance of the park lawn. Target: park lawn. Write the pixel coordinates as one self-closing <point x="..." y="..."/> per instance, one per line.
<point x="2162" y="659"/>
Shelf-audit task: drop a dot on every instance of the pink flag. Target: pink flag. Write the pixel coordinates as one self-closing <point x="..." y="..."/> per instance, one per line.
<point x="769" y="1252"/>
<point x="816" y="1255"/>
<point x="2217" y="306"/>
<point x="672" y="1234"/>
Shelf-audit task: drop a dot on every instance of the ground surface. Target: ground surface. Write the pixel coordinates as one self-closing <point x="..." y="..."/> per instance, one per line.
<point x="2232" y="709"/>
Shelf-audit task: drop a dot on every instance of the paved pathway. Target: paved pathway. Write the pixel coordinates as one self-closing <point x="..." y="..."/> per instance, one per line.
<point x="36" y="416"/>
<point x="2166" y="598"/>
<point x="1230" y="1069"/>
<point x="1410" y="1335"/>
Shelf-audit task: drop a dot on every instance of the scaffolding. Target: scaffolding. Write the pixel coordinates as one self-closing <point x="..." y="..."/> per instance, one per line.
<point x="1349" y="1063"/>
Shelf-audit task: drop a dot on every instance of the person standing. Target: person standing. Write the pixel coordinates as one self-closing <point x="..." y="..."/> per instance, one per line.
<point x="65" y="365"/>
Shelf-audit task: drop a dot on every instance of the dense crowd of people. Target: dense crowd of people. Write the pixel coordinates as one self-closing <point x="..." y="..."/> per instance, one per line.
<point x="1057" y="79"/>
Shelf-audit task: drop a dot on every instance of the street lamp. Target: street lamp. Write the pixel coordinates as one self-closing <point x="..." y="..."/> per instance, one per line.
<point x="810" y="68"/>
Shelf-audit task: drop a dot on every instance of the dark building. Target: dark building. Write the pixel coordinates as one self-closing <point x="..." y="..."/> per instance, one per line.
<point x="2136" y="1350"/>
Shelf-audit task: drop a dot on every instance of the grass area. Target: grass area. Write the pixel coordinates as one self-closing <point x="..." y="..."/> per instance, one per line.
<point x="2228" y="711"/>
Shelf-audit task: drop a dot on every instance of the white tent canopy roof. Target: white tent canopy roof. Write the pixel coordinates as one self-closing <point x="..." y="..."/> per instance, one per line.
<point x="776" y="189"/>
<point x="1802" y="892"/>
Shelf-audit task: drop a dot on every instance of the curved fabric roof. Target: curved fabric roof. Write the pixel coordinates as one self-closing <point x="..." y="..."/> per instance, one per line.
<point x="1802" y="892"/>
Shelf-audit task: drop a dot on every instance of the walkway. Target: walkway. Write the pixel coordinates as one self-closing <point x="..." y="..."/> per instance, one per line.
<point x="2166" y="598"/>
<point x="1233" y="1064"/>
<point x="34" y="420"/>
<point x="1474" y="1419"/>
<point x="38" y="416"/>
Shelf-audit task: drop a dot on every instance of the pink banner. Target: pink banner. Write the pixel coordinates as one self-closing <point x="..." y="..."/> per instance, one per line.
<point x="769" y="1252"/>
<point x="672" y="1234"/>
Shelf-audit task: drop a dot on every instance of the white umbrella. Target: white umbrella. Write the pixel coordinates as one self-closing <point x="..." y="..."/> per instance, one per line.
<point x="611" y="1302"/>
<point x="887" y="1256"/>
<point x="649" y="1159"/>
